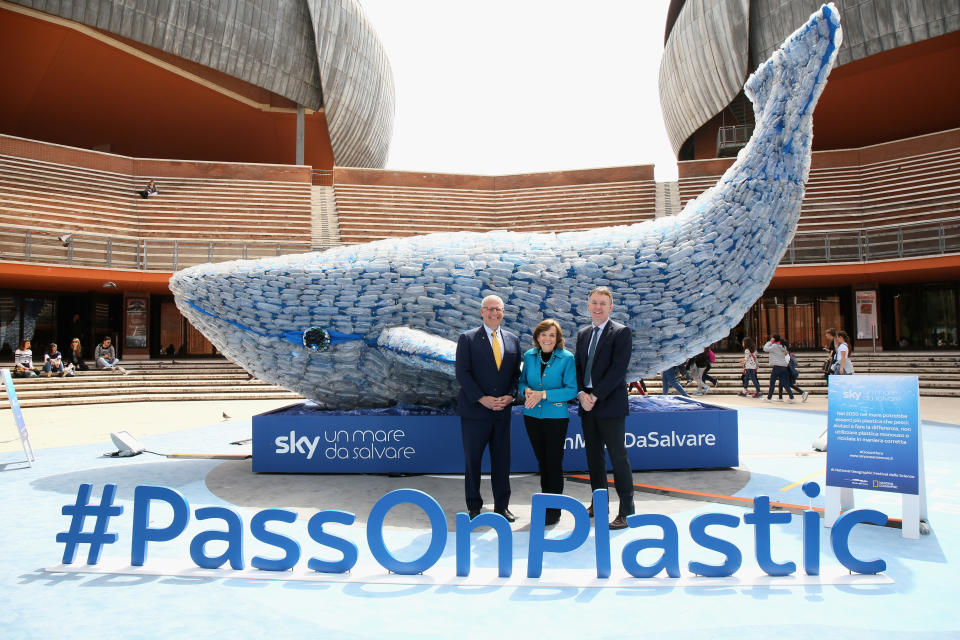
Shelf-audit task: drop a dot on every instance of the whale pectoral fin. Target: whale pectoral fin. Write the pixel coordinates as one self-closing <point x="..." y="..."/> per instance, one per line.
<point x="419" y="349"/>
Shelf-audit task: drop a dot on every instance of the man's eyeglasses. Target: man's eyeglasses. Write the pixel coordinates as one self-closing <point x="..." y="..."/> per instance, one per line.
<point x="500" y="309"/>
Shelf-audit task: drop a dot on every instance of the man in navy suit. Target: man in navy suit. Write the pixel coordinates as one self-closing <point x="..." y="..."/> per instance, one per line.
<point x="488" y="368"/>
<point x="603" y="355"/>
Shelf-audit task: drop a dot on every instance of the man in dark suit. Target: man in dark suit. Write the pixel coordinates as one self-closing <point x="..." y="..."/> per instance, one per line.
<point x="488" y="368"/>
<point x="603" y="354"/>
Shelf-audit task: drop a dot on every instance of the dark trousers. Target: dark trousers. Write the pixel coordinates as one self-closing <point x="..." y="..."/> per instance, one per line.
<point x="792" y="385"/>
<point x="477" y="434"/>
<point x="708" y="378"/>
<point x="781" y="375"/>
<point x="669" y="379"/>
<point x="547" y="437"/>
<point x="750" y="375"/>
<point x="608" y="432"/>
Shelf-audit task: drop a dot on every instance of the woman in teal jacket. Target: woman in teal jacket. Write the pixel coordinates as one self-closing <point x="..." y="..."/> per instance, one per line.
<point x="548" y="381"/>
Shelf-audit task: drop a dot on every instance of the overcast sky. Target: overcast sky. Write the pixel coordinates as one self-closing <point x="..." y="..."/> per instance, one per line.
<point x="517" y="86"/>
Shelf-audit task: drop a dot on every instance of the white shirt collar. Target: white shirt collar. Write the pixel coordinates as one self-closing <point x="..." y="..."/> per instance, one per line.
<point x="602" y="325"/>
<point x="490" y="332"/>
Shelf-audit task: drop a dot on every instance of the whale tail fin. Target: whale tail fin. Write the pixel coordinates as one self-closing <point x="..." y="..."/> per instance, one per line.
<point x="791" y="80"/>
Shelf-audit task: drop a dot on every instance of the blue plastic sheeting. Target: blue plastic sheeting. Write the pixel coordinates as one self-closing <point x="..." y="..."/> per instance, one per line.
<point x="311" y="409"/>
<point x="638" y="404"/>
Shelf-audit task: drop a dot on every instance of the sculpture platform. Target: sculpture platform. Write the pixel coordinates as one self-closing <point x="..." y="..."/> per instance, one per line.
<point x="662" y="432"/>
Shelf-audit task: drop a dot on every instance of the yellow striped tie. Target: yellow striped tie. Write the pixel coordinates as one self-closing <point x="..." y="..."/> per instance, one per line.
<point x="496" y="350"/>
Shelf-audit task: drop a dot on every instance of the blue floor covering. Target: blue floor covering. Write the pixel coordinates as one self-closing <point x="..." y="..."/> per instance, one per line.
<point x="920" y="603"/>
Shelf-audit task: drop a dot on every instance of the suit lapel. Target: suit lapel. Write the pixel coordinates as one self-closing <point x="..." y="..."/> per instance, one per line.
<point x="487" y="347"/>
<point x="605" y="337"/>
<point x="503" y="346"/>
<point x="583" y="345"/>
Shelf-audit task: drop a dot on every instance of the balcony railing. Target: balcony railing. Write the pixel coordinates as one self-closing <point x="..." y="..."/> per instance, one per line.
<point x="118" y="252"/>
<point x="880" y="243"/>
<point x="731" y="139"/>
<point x="87" y="250"/>
<point x="319" y="178"/>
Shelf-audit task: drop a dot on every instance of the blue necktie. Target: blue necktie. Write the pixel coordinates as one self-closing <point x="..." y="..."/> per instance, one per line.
<point x="587" y="378"/>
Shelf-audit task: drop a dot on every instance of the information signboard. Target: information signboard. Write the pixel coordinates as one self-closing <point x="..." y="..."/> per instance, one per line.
<point x="873" y="433"/>
<point x="18" y="416"/>
<point x="874" y="442"/>
<point x="866" y="315"/>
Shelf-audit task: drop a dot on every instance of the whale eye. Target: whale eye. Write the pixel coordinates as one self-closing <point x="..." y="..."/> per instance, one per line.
<point x="316" y="339"/>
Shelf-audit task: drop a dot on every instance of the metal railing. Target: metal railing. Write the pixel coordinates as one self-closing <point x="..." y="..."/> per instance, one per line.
<point x="881" y="243"/>
<point x="319" y="178"/>
<point x="119" y="252"/>
<point x="733" y="138"/>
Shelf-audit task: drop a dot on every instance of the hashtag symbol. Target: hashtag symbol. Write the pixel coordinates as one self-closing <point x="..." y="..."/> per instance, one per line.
<point x="78" y="514"/>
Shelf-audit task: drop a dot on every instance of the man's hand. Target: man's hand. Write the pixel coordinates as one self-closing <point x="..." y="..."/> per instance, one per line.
<point x="491" y="403"/>
<point x="591" y="401"/>
<point x="496" y="403"/>
<point x="587" y="400"/>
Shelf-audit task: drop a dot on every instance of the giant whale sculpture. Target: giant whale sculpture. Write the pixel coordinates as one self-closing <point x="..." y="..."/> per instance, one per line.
<point x="375" y="324"/>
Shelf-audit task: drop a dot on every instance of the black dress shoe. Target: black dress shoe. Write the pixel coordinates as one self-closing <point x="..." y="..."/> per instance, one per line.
<point x="551" y="519"/>
<point x="474" y="513"/>
<point x="590" y="510"/>
<point x="620" y="522"/>
<point x="505" y="512"/>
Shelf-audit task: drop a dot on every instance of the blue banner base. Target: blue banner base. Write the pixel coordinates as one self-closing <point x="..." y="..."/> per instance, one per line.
<point x="662" y="432"/>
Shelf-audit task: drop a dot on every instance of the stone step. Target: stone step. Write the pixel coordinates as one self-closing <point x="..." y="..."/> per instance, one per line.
<point x="219" y="379"/>
<point x="183" y="391"/>
<point x="156" y="397"/>
<point x="810" y="372"/>
<point x="809" y="384"/>
<point x="88" y="377"/>
<point x="97" y="396"/>
<point x="63" y="385"/>
<point x="146" y="380"/>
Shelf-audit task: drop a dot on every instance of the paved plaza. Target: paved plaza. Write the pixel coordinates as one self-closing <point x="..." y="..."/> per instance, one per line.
<point x="917" y="597"/>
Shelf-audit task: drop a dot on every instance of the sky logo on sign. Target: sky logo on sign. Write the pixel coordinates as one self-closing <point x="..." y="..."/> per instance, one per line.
<point x="293" y="445"/>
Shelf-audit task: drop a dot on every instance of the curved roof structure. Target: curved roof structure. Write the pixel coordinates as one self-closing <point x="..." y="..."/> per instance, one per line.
<point x="357" y="82"/>
<point x="707" y="35"/>
<point x="869" y="26"/>
<point x="713" y="45"/>
<point x="321" y="54"/>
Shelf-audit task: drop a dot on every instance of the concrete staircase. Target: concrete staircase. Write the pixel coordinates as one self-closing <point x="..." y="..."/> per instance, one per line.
<point x="149" y="380"/>
<point x="325" y="226"/>
<point x="668" y="199"/>
<point x="938" y="372"/>
<point x="217" y="379"/>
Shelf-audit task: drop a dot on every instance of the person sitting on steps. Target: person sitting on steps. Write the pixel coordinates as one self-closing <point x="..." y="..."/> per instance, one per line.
<point x="151" y="190"/>
<point x="106" y="356"/>
<point x="23" y="361"/>
<point x="75" y="358"/>
<point x="53" y="361"/>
